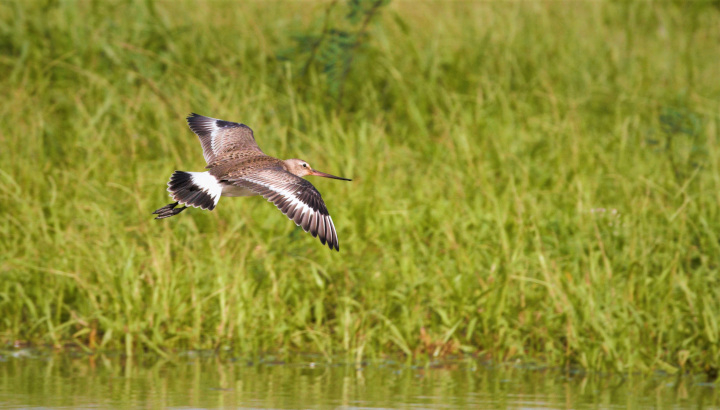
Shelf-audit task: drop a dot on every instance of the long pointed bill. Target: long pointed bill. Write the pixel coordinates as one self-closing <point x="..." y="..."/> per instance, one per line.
<point x="322" y="174"/>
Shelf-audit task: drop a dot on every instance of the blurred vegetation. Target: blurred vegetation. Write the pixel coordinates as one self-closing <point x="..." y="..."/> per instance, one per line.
<point x="531" y="181"/>
<point x="334" y="48"/>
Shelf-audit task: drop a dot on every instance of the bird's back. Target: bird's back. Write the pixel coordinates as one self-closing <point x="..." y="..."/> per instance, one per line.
<point x="238" y="164"/>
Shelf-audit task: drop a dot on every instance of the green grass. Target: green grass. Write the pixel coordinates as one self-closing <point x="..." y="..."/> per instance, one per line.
<point x="533" y="181"/>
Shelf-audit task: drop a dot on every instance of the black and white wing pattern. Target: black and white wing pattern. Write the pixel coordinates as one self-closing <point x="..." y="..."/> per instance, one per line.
<point x="296" y="198"/>
<point x="219" y="137"/>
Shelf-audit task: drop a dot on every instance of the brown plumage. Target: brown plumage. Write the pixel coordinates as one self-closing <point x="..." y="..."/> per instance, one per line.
<point x="237" y="167"/>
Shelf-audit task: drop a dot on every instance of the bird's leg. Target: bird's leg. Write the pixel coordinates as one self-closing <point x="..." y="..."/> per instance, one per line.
<point x="168" y="210"/>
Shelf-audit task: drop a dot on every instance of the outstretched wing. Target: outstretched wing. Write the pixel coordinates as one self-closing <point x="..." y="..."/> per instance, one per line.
<point x="220" y="137"/>
<point x="296" y="198"/>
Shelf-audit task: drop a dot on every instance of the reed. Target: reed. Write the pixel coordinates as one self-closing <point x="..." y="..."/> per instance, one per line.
<point x="531" y="181"/>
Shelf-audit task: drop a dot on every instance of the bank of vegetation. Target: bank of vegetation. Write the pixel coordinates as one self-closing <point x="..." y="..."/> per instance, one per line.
<point x="534" y="181"/>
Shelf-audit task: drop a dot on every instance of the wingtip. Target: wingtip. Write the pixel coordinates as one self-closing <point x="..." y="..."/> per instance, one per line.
<point x="193" y="117"/>
<point x="332" y="242"/>
<point x="199" y="117"/>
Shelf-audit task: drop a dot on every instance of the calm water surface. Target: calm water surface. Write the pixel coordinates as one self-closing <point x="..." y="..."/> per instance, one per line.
<point x="31" y="379"/>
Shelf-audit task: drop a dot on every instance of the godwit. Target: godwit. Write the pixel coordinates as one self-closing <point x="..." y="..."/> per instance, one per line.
<point x="237" y="167"/>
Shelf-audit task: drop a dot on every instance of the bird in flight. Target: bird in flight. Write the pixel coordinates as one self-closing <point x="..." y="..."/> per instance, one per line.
<point x="237" y="167"/>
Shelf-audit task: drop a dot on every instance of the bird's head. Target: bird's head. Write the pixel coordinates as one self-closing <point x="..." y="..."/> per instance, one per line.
<point x="301" y="168"/>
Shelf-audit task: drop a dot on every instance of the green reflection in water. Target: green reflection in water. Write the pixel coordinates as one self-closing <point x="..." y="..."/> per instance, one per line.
<point x="28" y="379"/>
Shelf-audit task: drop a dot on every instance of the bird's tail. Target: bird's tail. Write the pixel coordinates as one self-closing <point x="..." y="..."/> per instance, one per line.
<point x="198" y="189"/>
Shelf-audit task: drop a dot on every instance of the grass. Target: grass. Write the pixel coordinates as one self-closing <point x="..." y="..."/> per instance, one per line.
<point x="531" y="181"/>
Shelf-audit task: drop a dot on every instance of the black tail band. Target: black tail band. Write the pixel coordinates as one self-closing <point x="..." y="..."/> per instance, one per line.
<point x="184" y="190"/>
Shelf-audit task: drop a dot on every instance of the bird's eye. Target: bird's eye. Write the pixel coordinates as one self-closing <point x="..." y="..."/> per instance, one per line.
<point x="304" y="165"/>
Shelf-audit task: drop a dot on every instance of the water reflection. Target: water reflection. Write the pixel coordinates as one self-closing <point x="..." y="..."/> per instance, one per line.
<point x="194" y="380"/>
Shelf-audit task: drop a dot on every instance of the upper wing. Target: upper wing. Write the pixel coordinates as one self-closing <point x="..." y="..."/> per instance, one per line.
<point x="219" y="137"/>
<point x="296" y="198"/>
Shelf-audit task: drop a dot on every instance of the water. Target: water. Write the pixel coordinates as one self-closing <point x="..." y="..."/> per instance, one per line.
<point x="30" y="379"/>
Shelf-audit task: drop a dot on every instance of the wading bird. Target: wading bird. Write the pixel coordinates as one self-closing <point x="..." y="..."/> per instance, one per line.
<point x="237" y="167"/>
